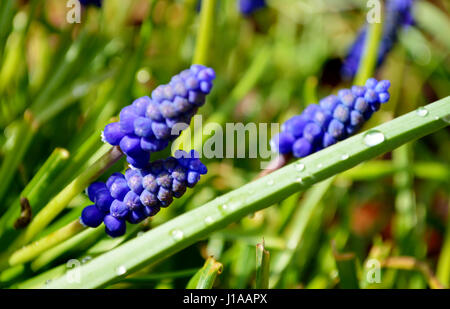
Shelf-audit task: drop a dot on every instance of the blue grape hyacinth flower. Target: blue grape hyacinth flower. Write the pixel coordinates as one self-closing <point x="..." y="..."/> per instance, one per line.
<point x="398" y="14"/>
<point x="141" y="193"/>
<point x="91" y="2"/>
<point x="333" y="119"/>
<point x="148" y="124"/>
<point x="247" y="7"/>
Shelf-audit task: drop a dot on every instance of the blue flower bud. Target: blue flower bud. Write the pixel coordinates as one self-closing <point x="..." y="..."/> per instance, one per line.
<point x="165" y="196"/>
<point x="148" y="198"/>
<point x="247" y="7"/>
<point x="103" y="200"/>
<point x="93" y="188"/>
<point x="127" y="116"/>
<point x="113" y="178"/>
<point x="119" y="188"/>
<point x="151" y="211"/>
<point x="112" y="134"/>
<point x="143" y="127"/>
<point x="141" y="104"/>
<point x="301" y="148"/>
<point x="92" y="216"/>
<point x="132" y="200"/>
<point x="114" y="227"/>
<point x="119" y="209"/>
<point x="97" y="3"/>
<point x="136" y="216"/>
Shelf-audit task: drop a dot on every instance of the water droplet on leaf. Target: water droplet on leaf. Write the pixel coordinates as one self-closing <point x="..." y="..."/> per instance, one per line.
<point x="373" y="137"/>
<point x="177" y="234"/>
<point x="121" y="270"/>
<point x="300" y="166"/>
<point x="422" y="111"/>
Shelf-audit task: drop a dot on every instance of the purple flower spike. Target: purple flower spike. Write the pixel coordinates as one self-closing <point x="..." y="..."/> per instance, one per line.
<point x="146" y="125"/>
<point x="140" y="194"/>
<point x="332" y="120"/>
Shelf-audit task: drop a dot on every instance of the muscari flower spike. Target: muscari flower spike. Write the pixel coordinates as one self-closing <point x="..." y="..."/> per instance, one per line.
<point x="247" y="7"/>
<point x="398" y="15"/>
<point x="333" y="119"/>
<point x="141" y="193"/>
<point x="91" y="2"/>
<point x="146" y="125"/>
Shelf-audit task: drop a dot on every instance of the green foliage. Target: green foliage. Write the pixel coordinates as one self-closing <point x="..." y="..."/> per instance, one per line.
<point x="380" y="196"/>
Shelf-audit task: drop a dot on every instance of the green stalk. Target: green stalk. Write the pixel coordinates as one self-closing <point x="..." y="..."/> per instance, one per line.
<point x="37" y="187"/>
<point x="262" y="266"/>
<point x="31" y="251"/>
<point x="205" y="277"/>
<point x="205" y="32"/>
<point x="296" y="231"/>
<point x="13" y="157"/>
<point x="60" y="201"/>
<point x="443" y="266"/>
<point x="369" y="60"/>
<point x="347" y="266"/>
<point x="79" y="241"/>
<point x="246" y="83"/>
<point x="196" y="224"/>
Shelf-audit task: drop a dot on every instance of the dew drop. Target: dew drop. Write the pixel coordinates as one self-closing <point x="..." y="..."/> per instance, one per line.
<point x="86" y="259"/>
<point x="299" y="180"/>
<point x="300" y="166"/>
<point x="177" y="234"/>
<point x="320" y="165"/>
<point x="270" y="182"/>
<point x="209" y="220"/>
<point x="47" y="282"/>
<point x="422" y="111"/>
<point x="345" y="156"/>
<point x="223" y="207"/>
<point x="121" y="270"/>
<point x="373" y="137"/>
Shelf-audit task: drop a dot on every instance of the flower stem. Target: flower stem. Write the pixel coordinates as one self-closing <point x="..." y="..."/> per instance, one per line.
<point x="205" y="32"/>
<point x="36" y="188"/>
<point x="12" y="159"/>
<point x="369" y="60"/>
<point x="31" y="251"/>
<point x="59" y="202"/>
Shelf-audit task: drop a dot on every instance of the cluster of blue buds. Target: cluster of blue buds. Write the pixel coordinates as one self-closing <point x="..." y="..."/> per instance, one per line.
<point x="141" y="193"/>
<point x="247" y="7"/>
<point x="398" y="15"/>
<point x="146" y="125"/>
<point x="91" y="2"/>
<point x="333" y="119"/>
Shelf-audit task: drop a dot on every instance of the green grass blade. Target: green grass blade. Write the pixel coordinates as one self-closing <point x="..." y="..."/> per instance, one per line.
<point x="262" y="266"/>
<point x="37" y="187"/>
<point x="347" y="266"/>
<point x="296" y="232"/>
<point x="196" y="224"/>
<point x="205" y="277"/>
